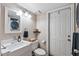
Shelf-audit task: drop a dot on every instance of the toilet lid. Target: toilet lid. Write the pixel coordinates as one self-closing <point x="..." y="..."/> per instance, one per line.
<point x="40" y="51"/>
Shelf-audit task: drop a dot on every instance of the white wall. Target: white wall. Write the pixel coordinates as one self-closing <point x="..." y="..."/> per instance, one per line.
<point x="76" y="28"/>
<point x="30" y="24"/>
<point x="0" y="26"/>
<point x="42" y="25"/>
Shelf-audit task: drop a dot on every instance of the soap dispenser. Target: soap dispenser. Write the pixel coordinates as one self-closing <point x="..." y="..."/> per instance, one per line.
<point x="19" y="38"/>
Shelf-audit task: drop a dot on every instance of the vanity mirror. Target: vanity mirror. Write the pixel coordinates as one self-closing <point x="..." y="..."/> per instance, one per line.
<point x="12" y="21"/>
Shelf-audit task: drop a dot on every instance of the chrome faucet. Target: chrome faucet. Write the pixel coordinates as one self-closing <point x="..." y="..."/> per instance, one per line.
<point x="3" y="47"/>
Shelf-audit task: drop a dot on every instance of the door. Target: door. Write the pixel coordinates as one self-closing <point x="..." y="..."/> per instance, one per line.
<point x="60" y="32"/>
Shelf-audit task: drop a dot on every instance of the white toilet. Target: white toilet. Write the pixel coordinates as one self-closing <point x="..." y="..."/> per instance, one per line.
<point x="40" y="52"/>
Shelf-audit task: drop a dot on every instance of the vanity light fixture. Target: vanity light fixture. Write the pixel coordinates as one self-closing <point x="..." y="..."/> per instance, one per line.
<point x="19" y="13"/>
<point x="27" y="14"/>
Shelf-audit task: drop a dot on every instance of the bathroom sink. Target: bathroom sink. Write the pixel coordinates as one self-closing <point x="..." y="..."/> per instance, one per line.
<point x="14" y="45"/>
<point x="17" y="45"/>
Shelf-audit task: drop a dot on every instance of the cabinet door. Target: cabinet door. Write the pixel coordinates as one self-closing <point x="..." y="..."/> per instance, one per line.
<point x="20" y="52"/>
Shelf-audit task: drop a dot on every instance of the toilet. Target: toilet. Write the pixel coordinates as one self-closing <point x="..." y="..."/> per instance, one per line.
<point x="39" y="52"/>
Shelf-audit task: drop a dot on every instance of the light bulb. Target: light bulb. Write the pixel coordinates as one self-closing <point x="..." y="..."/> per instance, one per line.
<point x="19" y="13"/>
<point x="26" y="14"/>
<point x="29" y="16"/>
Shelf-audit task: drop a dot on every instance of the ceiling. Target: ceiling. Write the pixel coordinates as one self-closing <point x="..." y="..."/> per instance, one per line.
<point x="41" y="7"/>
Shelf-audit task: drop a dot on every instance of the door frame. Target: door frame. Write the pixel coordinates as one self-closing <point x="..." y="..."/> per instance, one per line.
<point x="72" y="22"/>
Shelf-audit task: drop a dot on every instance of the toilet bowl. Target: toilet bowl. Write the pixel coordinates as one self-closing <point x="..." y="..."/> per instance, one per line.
<point x="40" y="52"/>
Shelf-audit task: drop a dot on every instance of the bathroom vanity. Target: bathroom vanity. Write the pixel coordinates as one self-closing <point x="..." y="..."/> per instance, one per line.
<point x="23" y="48"/>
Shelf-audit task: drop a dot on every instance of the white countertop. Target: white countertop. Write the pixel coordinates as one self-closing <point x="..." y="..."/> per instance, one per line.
<point x="15" y="46"/>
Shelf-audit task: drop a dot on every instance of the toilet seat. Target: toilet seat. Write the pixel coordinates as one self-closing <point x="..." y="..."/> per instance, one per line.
<point x="40" y="51"/>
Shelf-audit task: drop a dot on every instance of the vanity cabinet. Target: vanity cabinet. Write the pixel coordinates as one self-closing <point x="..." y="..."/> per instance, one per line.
<point x="19" y="52"/>
<point x="12" y="21"/>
